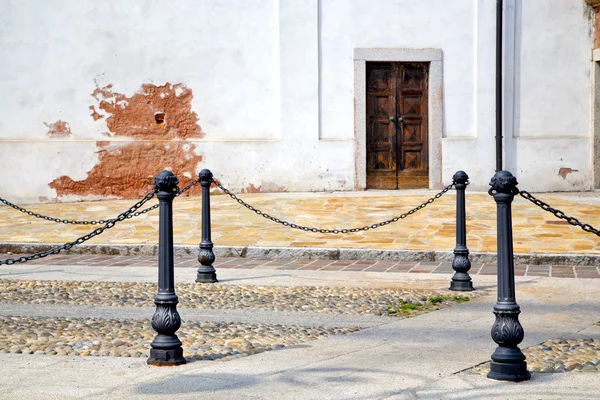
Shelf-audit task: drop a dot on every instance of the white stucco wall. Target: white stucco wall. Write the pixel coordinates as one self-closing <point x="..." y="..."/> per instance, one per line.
<point x="273" y="80"/>
<point x="349" y="24"/>
<point x="548" y="94"/>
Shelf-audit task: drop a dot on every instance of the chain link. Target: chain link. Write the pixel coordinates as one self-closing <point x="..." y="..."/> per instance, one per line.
<point x="52" y="219"/>
<point x="92" y="222"/>
<point x="558" y="213"/>
<point x="188" y="187"/>
<point x="334" y="231"/>
<point x="109" y="224"/>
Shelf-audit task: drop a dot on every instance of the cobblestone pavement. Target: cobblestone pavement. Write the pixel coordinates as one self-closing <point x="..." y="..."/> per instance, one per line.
<point x="214" y="296"/>
<point x="559" y="355"/>
<point x="127" y="338"/>
<point x="432" y="228"/>
<point x="228" y="340"/>
<point x="202" y="339"/>
<point x="555" y="271"/>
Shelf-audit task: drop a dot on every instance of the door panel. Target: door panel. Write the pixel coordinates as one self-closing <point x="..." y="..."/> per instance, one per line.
<point x="411" y="95"/>
<point x="397" y="151"/>
<point x="381" y="133"/>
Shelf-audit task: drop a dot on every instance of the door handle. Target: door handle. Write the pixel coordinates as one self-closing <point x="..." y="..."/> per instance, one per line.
<point x="393" y="119"/>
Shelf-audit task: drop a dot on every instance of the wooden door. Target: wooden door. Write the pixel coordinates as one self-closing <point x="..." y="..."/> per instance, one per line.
<point x="397" y="144"/>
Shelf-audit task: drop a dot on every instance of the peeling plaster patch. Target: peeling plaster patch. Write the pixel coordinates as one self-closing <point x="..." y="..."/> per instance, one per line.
<point x="563" y="172"/>
<point x="58" y="129"/>
<point x="265" y="187"/>
<point x="135" y="116"/>
<point x="45" y="199"/>
<point x="127" y="169"/>
<point x="95" y="113"/>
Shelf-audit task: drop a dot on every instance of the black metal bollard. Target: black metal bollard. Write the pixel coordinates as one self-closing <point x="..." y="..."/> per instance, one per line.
<point x="461" y="264"/>
<point x="166" y="346"/>
<point x="206" y="273"/>
<point x="508" y="361"/>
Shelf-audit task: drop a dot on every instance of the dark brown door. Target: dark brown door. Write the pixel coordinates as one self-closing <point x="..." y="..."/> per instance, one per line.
<point x="397" y="153"/>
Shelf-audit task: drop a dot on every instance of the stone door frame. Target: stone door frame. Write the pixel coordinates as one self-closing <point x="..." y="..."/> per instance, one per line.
<point x="435" y="106"/>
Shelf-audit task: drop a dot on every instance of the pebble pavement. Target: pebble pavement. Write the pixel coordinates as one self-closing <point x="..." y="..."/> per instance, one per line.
<point x="559" y="355"/>
<point x="128" y="338"/>
<point x="337" y="300"/>
<point x="201" y="340"/>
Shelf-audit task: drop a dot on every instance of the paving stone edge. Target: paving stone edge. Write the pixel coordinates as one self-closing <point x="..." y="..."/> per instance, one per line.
<point x="305" y="253"/>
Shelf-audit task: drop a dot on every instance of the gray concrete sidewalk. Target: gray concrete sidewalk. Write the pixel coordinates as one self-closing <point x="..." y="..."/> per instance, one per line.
<point x="424" y="357"/>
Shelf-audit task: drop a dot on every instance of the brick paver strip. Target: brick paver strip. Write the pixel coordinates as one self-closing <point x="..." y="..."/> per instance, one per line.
<point x="558" y="271"/>
<point x="402" y="267"/>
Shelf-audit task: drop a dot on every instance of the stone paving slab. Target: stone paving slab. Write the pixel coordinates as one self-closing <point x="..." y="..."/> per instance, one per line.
<point x="431" y="229"/>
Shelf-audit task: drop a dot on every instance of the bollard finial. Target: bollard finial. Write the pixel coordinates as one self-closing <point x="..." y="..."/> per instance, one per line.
<point x="166" y="181"/>
<point x="503" y="182"/>
<point x="461" y="178"/>
<point x="205" y="175"/>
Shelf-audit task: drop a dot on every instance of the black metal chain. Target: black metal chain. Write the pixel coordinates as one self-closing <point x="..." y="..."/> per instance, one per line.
<point x="334" y="231"/>
<point x="188" y="187"/>
<point x="92" y="222"/>
<point x="557" y="213"/>
<point x="55" y="250"/>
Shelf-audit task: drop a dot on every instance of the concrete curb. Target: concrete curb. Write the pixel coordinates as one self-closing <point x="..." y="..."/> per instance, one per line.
<point x="305" y="253"/>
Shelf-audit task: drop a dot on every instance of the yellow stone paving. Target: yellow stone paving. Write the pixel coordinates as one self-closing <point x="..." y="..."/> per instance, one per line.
<point x="432" y="228"/>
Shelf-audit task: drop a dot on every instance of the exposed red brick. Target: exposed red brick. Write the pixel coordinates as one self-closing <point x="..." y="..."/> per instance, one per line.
<point x="251" y="189"/>
<point x="265" y="187"/>
<point x="58" y="129"/>
<point x="95" y="113"/>
<point x="135" y="116"/>
<point x="563" y="172"/>
<point x="127" y="169"/>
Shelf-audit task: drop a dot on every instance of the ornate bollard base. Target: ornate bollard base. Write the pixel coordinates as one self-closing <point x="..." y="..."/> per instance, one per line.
<point x="165" y="358"/>
<point x="206" y="257"/>
<point x="461" y="281"/>
<point x="461" y="286"/>
<point x="206" y="276"/>
<point x="516" y="372"/>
